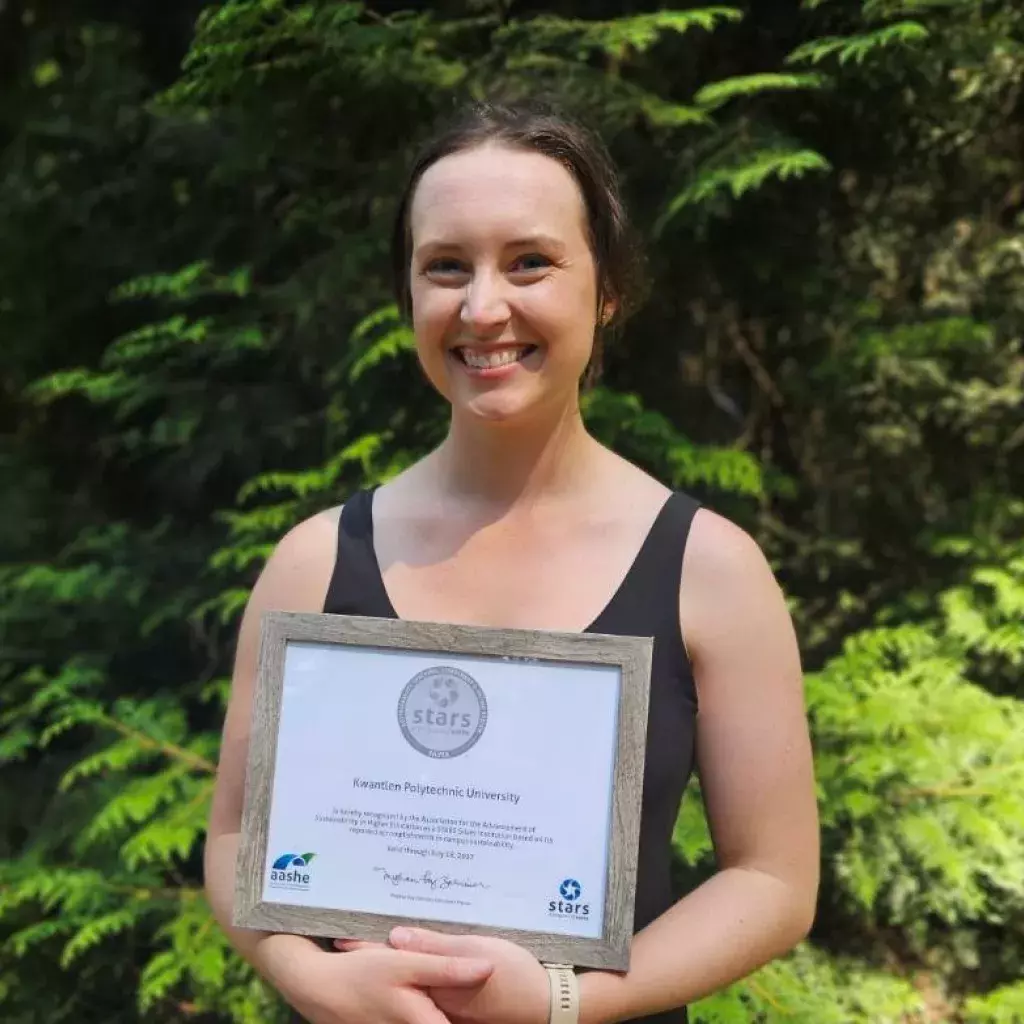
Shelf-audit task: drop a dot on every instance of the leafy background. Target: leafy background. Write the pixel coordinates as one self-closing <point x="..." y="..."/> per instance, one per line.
<point x="197" y="348"/>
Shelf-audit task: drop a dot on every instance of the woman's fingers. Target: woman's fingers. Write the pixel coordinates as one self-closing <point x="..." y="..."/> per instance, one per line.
<point x="350" y="945"/>
<point x="426" y="970"/>
<point x="423" y="940"/>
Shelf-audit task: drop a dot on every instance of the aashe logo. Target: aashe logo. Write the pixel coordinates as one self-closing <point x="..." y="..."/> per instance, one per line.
<point x="442" y="712"/>
<point x="291" y="871"/>
<point x="569" y="905"/>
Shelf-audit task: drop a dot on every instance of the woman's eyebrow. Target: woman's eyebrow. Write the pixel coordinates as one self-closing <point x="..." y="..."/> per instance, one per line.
<point x="539" y="240"/>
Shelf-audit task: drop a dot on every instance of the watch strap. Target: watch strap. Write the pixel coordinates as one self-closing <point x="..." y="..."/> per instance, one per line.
<point x="565" y="994"/>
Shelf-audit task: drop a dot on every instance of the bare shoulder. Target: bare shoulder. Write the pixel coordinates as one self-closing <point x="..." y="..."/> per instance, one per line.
<point x="719" y="549"/>
<point x="307" y="537"/>
<point x="298" y="571"/>
<point x="730" y="599"/>
<point x="294" y="578"/>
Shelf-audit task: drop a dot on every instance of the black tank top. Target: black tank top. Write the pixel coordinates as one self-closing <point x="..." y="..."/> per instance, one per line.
<point x="645" y="604"/>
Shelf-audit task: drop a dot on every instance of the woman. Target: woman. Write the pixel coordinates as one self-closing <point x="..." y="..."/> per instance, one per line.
<point x="512" y="256"/>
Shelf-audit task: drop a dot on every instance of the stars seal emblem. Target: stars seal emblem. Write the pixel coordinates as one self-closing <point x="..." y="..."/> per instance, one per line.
<point x="442" y="712"/>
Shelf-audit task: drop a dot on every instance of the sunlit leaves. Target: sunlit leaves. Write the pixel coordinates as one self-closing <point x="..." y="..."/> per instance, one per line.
<point x="736" y="174"/>
<point x="715" y="94"/>
<point x="381" y="336"/>
<point x="857" y="49"/>
<point x="1005" y="1005"/>
<point x="250" y="371"/>
<point x="619" y="38"/>
<point x="623" y="422"/>
<point x="928" y="769"/>
<point x="809" y="985"/>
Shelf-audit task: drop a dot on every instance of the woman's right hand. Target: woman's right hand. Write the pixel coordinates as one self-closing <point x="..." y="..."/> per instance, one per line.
<point x="375" y="985"/>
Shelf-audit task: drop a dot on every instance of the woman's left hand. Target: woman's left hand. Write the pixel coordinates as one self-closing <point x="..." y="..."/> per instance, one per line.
<point x="516" y="992"/>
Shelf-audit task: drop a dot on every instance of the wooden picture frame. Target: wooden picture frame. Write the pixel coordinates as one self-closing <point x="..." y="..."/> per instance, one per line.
<point x="315" y="640"/>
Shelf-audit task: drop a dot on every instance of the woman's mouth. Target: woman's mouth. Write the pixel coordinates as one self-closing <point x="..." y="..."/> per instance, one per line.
<point x="492" y="359"/>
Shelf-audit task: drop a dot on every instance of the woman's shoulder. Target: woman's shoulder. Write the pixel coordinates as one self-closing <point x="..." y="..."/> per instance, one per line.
<point x="307" y="537"/>
<point x="729" y="589"/>
<point x="298" y="570"/>
<point x="721" y="549"/>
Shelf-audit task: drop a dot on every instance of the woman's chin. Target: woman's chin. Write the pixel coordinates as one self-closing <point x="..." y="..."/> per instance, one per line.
<point x="495" y="412"/>
<point x="509" y="403"/>
<point x="497" y="408"/>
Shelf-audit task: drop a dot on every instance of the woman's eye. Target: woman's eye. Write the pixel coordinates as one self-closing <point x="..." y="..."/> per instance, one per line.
<point x="444" y="267"/>
<point x="450" y="267"/>
<point x="532" y="262"/>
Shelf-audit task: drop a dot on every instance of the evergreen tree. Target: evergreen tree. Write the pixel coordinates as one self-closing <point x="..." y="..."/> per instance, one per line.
<point x="198" y="348"/>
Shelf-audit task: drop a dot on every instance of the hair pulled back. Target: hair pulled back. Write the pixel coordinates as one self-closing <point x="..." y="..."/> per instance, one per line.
<point x="539" y="129"/>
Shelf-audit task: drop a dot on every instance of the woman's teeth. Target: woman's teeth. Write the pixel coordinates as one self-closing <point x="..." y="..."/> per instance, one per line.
<point x="491" y="360"/>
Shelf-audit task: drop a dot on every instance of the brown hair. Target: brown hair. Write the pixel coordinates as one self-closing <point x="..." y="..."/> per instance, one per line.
<point x="540" y="129"/>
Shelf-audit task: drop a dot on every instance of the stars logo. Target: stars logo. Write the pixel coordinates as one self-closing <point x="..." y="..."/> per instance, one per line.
<point x="570" y="889"/>
<point x="570" y="906"/>
<point x="444" y="691"/>
<point x="442" y="711"/>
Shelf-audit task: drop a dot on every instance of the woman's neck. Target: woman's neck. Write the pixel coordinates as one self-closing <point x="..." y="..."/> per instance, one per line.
<point x="498" y="465"/>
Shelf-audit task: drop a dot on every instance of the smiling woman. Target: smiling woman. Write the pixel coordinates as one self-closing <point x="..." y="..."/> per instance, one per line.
<point x="551" y="204"/>
<point x="512" y="253"/>
<point x="504" y="324"/>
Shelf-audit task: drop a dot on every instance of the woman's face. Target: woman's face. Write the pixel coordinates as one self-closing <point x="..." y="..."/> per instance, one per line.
<point x="502" y="282"/>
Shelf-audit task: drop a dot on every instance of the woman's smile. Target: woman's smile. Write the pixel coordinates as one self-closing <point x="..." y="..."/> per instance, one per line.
<point x="494" y="362"/>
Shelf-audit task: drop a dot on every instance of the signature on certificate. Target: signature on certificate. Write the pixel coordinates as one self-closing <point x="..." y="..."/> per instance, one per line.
<point x="429" y="880"/>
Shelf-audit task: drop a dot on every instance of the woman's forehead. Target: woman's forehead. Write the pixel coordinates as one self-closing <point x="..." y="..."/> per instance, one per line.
<point x="498" y="189"/>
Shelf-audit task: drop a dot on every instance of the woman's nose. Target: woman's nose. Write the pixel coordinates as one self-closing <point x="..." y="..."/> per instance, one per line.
<point x="484" y="306"/>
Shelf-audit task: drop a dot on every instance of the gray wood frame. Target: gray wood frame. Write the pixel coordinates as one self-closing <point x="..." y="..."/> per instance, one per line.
<point x="632" y="655"/>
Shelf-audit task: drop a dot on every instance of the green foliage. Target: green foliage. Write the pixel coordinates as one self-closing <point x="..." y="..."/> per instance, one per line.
<point x="622" y="422"/>
<point x="737" y="169"/>
<point x="859" y="47"/>
<point x="810" y="986"/>
<point x="1003" y="1006"/>
<point x="925" y="768"/>
<point x="200" y="349"/>
<point x="382" y="345"/>
<point x="715" y="94"/>
<point x="620" y="37"/>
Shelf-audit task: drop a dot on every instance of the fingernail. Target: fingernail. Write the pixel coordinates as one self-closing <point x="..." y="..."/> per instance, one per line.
<point x="401" y="935"/>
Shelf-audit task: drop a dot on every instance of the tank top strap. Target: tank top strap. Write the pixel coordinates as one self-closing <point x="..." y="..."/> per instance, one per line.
<point x="648" y="598"/>
<point x="356" y="586"/>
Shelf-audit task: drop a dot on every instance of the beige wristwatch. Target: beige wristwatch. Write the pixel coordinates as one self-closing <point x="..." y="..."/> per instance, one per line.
<point x="565" y="994"/>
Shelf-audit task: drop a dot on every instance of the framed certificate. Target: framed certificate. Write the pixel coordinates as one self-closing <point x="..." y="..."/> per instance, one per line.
<point x="460" y="778"/>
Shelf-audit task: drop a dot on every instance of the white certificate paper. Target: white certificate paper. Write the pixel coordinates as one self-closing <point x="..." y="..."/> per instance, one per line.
<point x="458" y="788"/>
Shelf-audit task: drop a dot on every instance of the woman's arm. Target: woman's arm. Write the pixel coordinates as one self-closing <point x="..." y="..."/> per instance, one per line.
<point x="295" y="578"/>
<point x="754" y="759"/>
<point x="755" y="764"/>
<point x="374" y="986"/>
